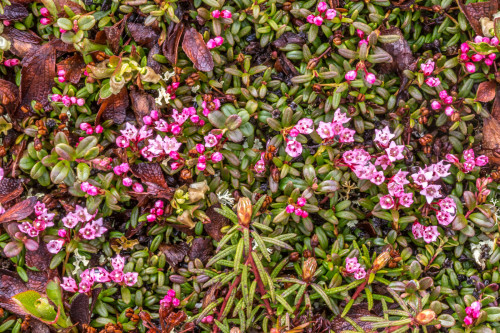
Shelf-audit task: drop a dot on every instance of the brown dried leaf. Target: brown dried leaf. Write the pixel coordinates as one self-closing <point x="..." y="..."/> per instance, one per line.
<point x="197" y="51"/>
<point x="9" y="97"/>
<point x="491" y="133"/>
<point x="400" y="51"/>
<point x="217" y="222"/>
<point x="174" y="253"/>
<point x="475" y="11"/>
<point x="486" y="91"/>
<point x="171" y="46"/>
<point x="288" y="38"/>
<point x="149" y="173"/>
<point x="14" y="12"/>
<point x="79" y="311"/>
<point x="152" y="63"/>
<point x="22" y="42"/>
<point x="19" y="211"/>
<point x="142" y="104"/>
<point x="143" y="35"/>
<point x="37" y="78"/>
<point x="40" y="259"/>
<point x="201" y="249"/>
<point x="114" y="107"/>
<point x="74" y="67"/>
<point x="10" y="189"/>
<point x="113" y="35"/>
<point x="357" y="311"/>
<point x="10" y="285"/>
<point x="74" y="6"/>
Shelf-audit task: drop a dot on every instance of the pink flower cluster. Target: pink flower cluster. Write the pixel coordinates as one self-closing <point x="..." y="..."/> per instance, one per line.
<point x="473" y="312"/>
<point x="324" y="13"/>
<point x="208" y="320"/>
<point x="66" y="100"/>
<point x="330" y="130"/>
<point x="470" y="161"/>
<point x="206" y="110"/>
<point x="170" y="299"/>
<point x="44" y="12"/>
<point x="89" y="189"/>
<point x="352" y="266"/>
<point x="92" y="228"/>
<point x="222" y="13"/>
<point x="293" y="147"/>
<point x="296" y="208"/>
<point x="43" y="220"/>
<point x="11" y="62"/>
<point x="446" y="100"/>
<point x="260" y="166"/>
<point x="101" y="275"/>
<point x="429" y="174"/>
<point x="476" y="57"/>
<point x="215" y="42"/>
<point x="60" y="75"/>
<point x="429" y="233"/>
<point x="89" y="130"/>
<point x="156" y="211"/>
<point x="352" y="74"/>
<point x="427" y="67"/>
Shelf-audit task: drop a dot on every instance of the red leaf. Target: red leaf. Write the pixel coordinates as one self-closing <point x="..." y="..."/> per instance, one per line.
<point x="486" y="91"/>
<point x="10" y="189"/>
<point x="171" y="46"/>
<point x="19" y="211"/>
<point x="142" y="104"/>
<point x="74" y="67"/>
<point x="196" y="49"/>
<point x="113" y="35"/>
<point x="22" y="42"/>
<point x="149" y="173"/>
<point x="9" y="96"/>
<point x="114" y="107"/>
<point x="143" y="35"/>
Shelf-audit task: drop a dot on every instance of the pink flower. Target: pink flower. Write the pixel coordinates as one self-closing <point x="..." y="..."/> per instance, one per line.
<point x="301" y="201"/>
<point x="468" y="320"/>
<point x="444" y="218"/>
<point x="470" y="67"/>
<point x="45" y="21"/>
<point x="488" y="62"/>
<point x="474" y="309"/>
<point x="395" y="152"/>
<point x="293" y="148"/>
<point x="208" y="320"/>
<point x="322" y="6"/>
<point x="418" y="230"/>
<point x="122" y="142"/>
<point x="116" y="275"/>
<point x="99" y="275"/>
<point x="226" y="14"/>
<point x="305" y="126"/>
<point x="478" y="39"/>
<point x="87" y="232"/>
<point x="216" y="13"/>
<point x="383" y="137"/>
<point x="431" y="192"/>
<point x="219" y="40"/>
<point x="201" y="166"/>
<point x="330" y="14"/>
<point x="469" y="155"/>
<point x="138" y="188"/>
<point x="84" y="286"/>
<point x="351" y="75"/>
<point x="448" y="204"/>
<point x="61" y="78"/>
<point x="452" y="158"/>
<point x="99" y="129"/>
<point x="130" y="278"/>
<point x="44" y="11"/>
<point x="318" y="20"/>
<point x="290" y="209"/>
<point x="325" y="130"/>
<point x="127" y="181"/>
<point x="449" y="111"/>
<point x="464" y="47"/>
<point x="371" y="78"/>
<point x="427" y="67"/>
<point x="347" y="135"/>
<point x="387" y="202"/>
<point x="477" y="57"/>
<point x="363" y="42"/>
<point x="469" y="166"/>
<point x="304" y="214"/>
<point x="360" y="274"/>
<point x="294" y="132"/>
<point x="211" y="44"/>
<point x="406" y="199"/>
<point x="69" y="284"/>
<point x="310" y="19"/>
<point x="432" y="81"/>
<point x="352" y="265"/>
<point x="430" y="234"/>
<point x="435" y="105"/>
<point x="482" y="160"/>
<point x="217" y="157"/>
<point x="441" y="170"/>
<point x="54" y="246"/>
<point x="210" y="140"/>
<point x="422" y="177"/>
<point x="494" y="41"/>
<point x="443" y="94"/>
<point x="62" y="233"/>
<point x="176" y="302"/>
<point x="377" y="178"/>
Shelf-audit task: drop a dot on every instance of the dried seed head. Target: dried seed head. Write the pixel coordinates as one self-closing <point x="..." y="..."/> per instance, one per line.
<point x="308" y="269"/>
<point x="425" y="317"/>
<point x="294" y="256"/>
<point x="244" y="211"/>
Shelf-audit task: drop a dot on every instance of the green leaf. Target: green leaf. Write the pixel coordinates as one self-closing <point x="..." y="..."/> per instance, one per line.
<point x="446" y="320"/>
<point x="82" y="171"/>
<point x="493" y="313"/>
<point x="65" y="151"/>
<point x="59" y="172"/>
<point x="323" y="295"/>
<point x="5" y="126"/>
<point x="85" y="145"/>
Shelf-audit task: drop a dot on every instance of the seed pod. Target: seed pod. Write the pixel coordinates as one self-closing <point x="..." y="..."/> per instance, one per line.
<point x="425" y="317"/>
<point x="244" y="211"/>
<point x="308" y="269"/>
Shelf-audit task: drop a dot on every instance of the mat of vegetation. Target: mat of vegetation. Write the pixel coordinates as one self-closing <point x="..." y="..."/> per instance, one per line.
<point x="249" y="166"/>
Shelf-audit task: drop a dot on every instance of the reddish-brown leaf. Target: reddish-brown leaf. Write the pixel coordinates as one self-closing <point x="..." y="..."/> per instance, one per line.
<point x="79" y="311"/>
<point x="201" y="249"/>
<point x="142" y="104"/>
<point x="475" y="11"/>
<point x="400" y="51"/>
<point x="143" y="35"/>
<point x="486" y="91"/>
<point x="40" y="259"/>
<point x="174" y="253"/>
<point x="171" y="45"/>
<point x="114" y="107"/>
<point x="37" y="78"/>
<point x="10" y="285"/>
<point x="74" y="67"/>
<point x="152" y="63"/>
<point x="19" y="211"/>
<point x="14" y="12"/>
<point x="22" y="42"/>
<point x="491" y="133"/>
<point x="73" y="5"/>
<point x="9" y="97"/>
<point x="217" y="222"/>
<point x="197" y="51"/>
<point x="10" y="189"/>
<point x="149" y="173"/>
<point x="113" y="35"/>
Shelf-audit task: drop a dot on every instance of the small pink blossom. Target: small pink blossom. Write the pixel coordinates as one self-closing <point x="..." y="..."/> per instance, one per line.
<point x="371" y="78"/>
<point x="138" y="188"/>
<point x="226" y="14"/>
<point x="211" y="44"/>
<point x="383" y="137"/>
<point x="69" y="284"/>
<point x="54" y="246"/>
<point x="477" y="57"/>
<point x="470" y="67"/>
<point x="130" y="278"/>
<point x="216" y="13"/>
<point x="318" y="20"/>
<point x="217" y="157"/>
<point x="352" y="265"/>
<point x="290" y="209"/>
<point x="127" y="181"/>
<point x="433" y="81"/>
<point x="418" y="230"/>
<point x="449" y="111"/>
<point x="468" y="320"/>
<point x="431" y="192"/>
<point x="482" y="160"/>
<point x="430" y="234"/>
<point x="301" y="201"/>
<point x="387" y="202"/>
<point x="322" y="6"/>
<point x="351" y="75"/>
<point x="435" y="105"/>
<point x="360" y="274"/>
<point x="210" y="140"/>
<point x="330" y="14"/>
<point x="427" y="67"/>
<point x="293" y="148"/>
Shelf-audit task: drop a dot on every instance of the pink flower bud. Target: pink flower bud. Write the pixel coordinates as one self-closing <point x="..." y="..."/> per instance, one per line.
<point x="492" y="56"/>
<point x="175" y="165"/>
<point x="470" y="67"/>
<point x="200" y="148"/>
<point x="194" y="118"/>
<point x="435" y="105"/>
<point x="360" y="33"/>
<point x="175" y="155"/>
<point x="294" y="132"/>
<point x="151" y="217"/>
<point x="99" y="129"/>
<point x="330" y="14"/>
<point x="122" y="142"/>
<point x="209" y="319"/>
<point x="201" y="166"/>
<point x="443" y="94"/>
<point x="147" y="120"/>
<point x="464" y="47"/>
<point x="61" y="30"/>
<point x="61" y="72"/>
<point x="371" y="78"/>
<point x="226" y="14"/>
<point x="217" y="157"/>
<point x="44" y="11"/>
<point x="448" y="99"/>
<point x="14" y="62"/>
<point x="452" y="158"/>
<point x="219" y="40"/>
<point x="488" y="62"/>
<point x="351" y="75"/>
<point x="138" y="188"/>
<point x="61" y="79"/>
<point x="176" y="302"/>
<point x="84" y="186"/>
<point x="211" y="44"/>
<point x="478" y="39"/>
<point x="298" y="212"/>
<point x="449" y="111"/>
<point x="201" y="122"/>
<point x="304" y="214"/>
<point x="80" y="102"/>
<point x="486" y="40"/>
<point x="464" y="57"/>
<point x="154" y="114"/>
<point x="290" y="209"/>
<point x="72" y="100"/>
<point x="301" y="201"/>
<point x="322" y="6"/>
<point x="7" y="63"/>
<point x="62" y="233"/>
<point x="92" y="191"/>
<point x="159" y="211"/>
<point x="202" y="159"/>
<point x="216" y="14"/>
<point x="6" y="23"/>
<point x="310" y="19"/>
<point x="363" y="42"/>
<point x="56" y="97"/>
<point x="318" y="20"/>
<point x="44" y="21"/>
<point x="66" y="100"/>
<point x="468" y="320"/>
<point x="477" y="57"/>
<point x="494" y="41"/>
<point x="89" y="131"/>
<point x="127" y="181"/>
<point x="176" y="129"/>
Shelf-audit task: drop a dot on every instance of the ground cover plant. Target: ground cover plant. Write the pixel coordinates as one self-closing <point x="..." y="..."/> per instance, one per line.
<point x="249" y="166"/>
